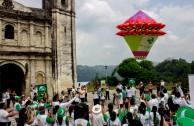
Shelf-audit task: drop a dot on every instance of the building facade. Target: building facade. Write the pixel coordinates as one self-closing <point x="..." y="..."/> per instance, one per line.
<point x="37" y="46"/>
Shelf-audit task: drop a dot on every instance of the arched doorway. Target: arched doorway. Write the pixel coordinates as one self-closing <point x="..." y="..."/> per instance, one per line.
<point x="12" y="76"/>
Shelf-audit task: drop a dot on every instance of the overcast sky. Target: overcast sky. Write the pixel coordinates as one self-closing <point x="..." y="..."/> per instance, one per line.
<point x="96" y="21"/>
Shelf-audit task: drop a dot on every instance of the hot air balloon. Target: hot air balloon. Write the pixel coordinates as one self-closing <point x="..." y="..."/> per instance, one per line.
<point x="140" y="32"/>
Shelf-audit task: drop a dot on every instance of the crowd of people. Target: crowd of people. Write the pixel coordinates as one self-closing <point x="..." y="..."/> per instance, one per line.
<point x="70" y="108"/>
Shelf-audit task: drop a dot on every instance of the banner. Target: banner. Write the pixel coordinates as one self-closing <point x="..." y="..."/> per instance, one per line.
<point x="103" y="83"/>
<point x="42" y="89"/>
<point x="191" y="86"/>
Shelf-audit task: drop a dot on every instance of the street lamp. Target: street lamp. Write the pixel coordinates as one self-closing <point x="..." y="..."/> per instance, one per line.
<point x="106" y="73"/>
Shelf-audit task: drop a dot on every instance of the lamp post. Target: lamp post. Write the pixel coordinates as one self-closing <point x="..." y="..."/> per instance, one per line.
<point x="106" y="73"/>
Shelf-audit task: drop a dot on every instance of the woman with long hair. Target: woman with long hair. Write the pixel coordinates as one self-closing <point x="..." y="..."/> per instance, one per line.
<point x="25" y="117"/>
<point x="154" y="116"/>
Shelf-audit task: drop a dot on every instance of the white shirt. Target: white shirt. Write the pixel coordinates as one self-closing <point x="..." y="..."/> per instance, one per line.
<point x="7" y="95"/>
<point x="95" y="95"/>
<point x="129" y="93"/>
<point x="98" y="119"/>
<point x="133" y="90"/>
<point x="119" y="86"/>
<point x="3" y="116"/>
<point x="153" y="102"/>
<point x="71" y="119"/>
<point x="152" y="118"/>
<point x="81" y="122"/>
<point x="117" y="122"/>
<point x="145" y="119"/>
<point x="162" y="83"/>
<point x="180" y="101"/>
<point x="133" y="109"/>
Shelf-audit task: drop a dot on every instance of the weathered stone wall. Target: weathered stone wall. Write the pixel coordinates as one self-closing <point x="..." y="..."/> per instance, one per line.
<point x="31" y="45"/>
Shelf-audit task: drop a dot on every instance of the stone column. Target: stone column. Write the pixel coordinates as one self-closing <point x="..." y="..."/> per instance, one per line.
<point x="32" y="45"/>
<point x="0" y="31"/>
<point x="47" y="46"/>
<point x="48" y="75"/>
<point x="19" y="35"/>
<point x="32" y="70"/>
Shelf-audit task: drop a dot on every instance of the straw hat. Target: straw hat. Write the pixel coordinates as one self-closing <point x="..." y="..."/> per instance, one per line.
<point x="97" y="109"/>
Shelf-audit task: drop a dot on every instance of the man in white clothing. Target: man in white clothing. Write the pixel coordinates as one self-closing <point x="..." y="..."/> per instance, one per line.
<point x="4" y="120"/>
<point x="153" y="102"/>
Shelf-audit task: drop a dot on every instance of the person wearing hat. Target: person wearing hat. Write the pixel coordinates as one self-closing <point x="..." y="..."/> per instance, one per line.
<point x="61" y="118"/>
<point x="44" y="120"/>
<point x="4" y="120"/>
<point x="97" y="116"/>
<point x="17" y="107"/>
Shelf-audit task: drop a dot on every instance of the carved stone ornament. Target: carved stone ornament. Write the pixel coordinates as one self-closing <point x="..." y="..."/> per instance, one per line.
<point x="8" y="4"/>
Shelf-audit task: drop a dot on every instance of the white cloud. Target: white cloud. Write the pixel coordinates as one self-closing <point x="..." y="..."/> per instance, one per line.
<point x="96" y="28"/>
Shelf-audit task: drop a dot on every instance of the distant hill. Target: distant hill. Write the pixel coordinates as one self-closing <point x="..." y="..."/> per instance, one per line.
<point x="88" y="73"/>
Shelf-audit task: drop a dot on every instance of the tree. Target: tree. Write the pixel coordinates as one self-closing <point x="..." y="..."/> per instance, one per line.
<point x="192" y="67"/>
<point x="128" y="68"/>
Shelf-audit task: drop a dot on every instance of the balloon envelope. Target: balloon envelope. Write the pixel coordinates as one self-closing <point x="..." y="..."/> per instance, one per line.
<point x="140" y="45"/>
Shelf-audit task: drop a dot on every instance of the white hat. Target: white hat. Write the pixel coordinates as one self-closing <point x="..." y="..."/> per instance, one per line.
<point x="97" y="109"/>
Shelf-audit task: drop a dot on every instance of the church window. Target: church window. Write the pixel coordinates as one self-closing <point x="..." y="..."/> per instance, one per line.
<point x="9" y="32"/>
<point x="64" y="2"/>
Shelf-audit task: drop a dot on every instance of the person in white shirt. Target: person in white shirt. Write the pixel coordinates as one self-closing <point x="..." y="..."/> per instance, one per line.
<point x="107" y="92"/>
<point x="129" y="92"/>
<point x="153" y="102"/>
<point x="133" y="93"/>
<point x="97" y="116"/>
<point x="178" y="89"/>
<point x="180" y="101"/>
<point x="162" y="83"/>
<point x="4" y="99"/>
<point x="96" y="97"/>
<point x="4" y="120"/>
<point x="82" y="94"/>
<point x="8" y="97"/>
<point x="119" y="86"/>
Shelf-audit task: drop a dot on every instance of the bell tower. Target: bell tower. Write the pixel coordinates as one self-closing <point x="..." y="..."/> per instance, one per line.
<point x="64" y="43"/>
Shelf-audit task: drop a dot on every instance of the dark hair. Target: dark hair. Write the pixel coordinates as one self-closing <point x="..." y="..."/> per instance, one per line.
<point x="71" y="109"/>
<point x="177" y="94"/>
<point x="113" y="116"/>
<point x="170" y="104"/>
<point x="1" y="105"/>
<point x="132" y="102"/>
<point x="55" y="97"/>
<point x="154" y="110"/>
<point x="110" y="108"/>
<point x="165" y="90"/>
<point x="161" y="95"/>
<point x="161" y="112"/>
<point x="55" y="109"/>
<point x="60" y="120"/>
<point x="142" y="108"/>
<point x="153" y="96"/>
<point x="22" y="117"/>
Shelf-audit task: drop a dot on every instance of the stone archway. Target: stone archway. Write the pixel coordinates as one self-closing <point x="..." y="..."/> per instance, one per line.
<point x="12" y="77"/>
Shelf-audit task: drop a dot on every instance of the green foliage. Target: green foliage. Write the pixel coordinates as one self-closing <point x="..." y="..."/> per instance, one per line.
<point x="192" y="67"/>
<point x="142" y="71"/>
<point x="112" y="81"/>
<point x="128" y="68"/>
<point x="174" y="70"/>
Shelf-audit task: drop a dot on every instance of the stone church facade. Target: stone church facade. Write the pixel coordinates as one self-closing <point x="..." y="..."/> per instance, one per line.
<point x="37" y="46"/>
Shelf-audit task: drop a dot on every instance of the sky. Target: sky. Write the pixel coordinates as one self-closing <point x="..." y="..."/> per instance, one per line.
<point x="96" y="21"/>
